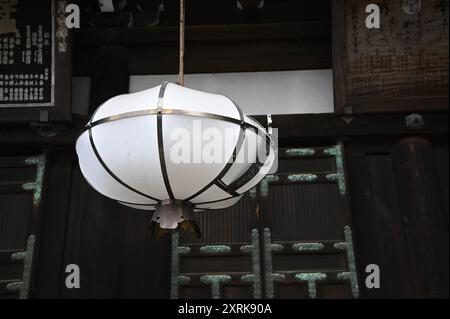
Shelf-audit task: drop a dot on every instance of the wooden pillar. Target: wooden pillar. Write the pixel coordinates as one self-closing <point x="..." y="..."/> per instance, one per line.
<point x="423" y="217"/>
<point x="110" y="76"/>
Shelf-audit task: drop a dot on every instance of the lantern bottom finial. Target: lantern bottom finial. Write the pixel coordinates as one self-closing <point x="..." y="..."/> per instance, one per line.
<point x="172" y="214"/>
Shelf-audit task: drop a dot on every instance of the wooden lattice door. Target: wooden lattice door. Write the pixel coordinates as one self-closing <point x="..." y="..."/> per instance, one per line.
<point x="308" y="243"/>
<point x="21" y="187"/>
<point x="289" y="237"/>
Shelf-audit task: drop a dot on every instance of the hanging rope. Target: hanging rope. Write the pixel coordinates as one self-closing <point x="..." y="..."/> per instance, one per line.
<point x="181" y="62"/>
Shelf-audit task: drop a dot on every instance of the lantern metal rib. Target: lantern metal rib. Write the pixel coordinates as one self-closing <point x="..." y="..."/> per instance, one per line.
<point x="227" y="188"/>
<point x="230" y="162"/>
<point x="245" y="178"/>
<point x="216" y="201"/>
<point x="99" y="158"/>
<point x="219" y="183"/>
<point x="169" y="112"/>
<point x="251" y="172"/>
<point x="230" y="189"/>
<point x="123" y="202"/>
<point x="162" y="159"/>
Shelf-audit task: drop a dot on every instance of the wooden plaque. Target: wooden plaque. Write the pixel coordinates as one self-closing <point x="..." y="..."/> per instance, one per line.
<point x="35" y="61"/>
<point x="401" y="66"/>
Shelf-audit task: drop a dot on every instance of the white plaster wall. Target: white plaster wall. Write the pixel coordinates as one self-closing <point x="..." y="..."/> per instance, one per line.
<point x="284" y="92"/>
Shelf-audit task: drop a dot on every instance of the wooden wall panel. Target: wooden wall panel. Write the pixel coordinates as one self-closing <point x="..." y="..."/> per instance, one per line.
<point x="425" y="227"/>
<point x="50" y="265"/>
<point x="442" y="160"/>
<point x="375" y="202"/>
<point x="109" y="242"/>
<point x="143" y="261"/>
<point x="395" y="190"/>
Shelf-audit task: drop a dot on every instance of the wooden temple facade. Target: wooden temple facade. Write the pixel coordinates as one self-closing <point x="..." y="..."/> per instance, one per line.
<point x="366" y="184"/>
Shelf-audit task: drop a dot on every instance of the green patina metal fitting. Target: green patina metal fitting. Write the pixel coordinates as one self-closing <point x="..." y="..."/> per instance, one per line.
<point x="343" y="275"/>
<point x="48" y="129"/>
<point x="414" y="121"/>
<point x="312" y="289"/>
<point x="215" y="281"/>
<point x="183" y="250"/>
<point x="39" y="161"/>
<point x="351" y="274"/>
<point x="300" y="152"/>
<point x="351" y="261"/>
<point x="264" y="184"/>
<point x="339" y="176"/>
<point x="176" y="280"/>
<point x="253" y="249"/>
<point x="302" y="177"/>
<point x="23" y="286"/>
<point x="268" y="249"/>
<point x="268" y="263"/>
<point x="332" y="151"/>
<point x="33" y="160"/>
<point x="15" y="286"/>
<point x="29" y="186"/>
<point x="333" y="177"/>
<point x="248" y="278"/>
<point x="246" y="248"/>
<point x="340" y="245"/>
<point x="311" y="278"/>
<point x="276" y="247"/>
<point x="255" y="282"/>
<point x="308" y="246"/>
<point x="278" y="277"/>
<point x="183" y="280"/>
<point x="215" y="249"/>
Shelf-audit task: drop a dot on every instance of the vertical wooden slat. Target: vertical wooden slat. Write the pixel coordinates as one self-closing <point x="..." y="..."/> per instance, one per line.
<point x="377" y="225"/>
<point x="423" y="216"/>
<point x="338" y="54"/>
<point x="14" y="215"/>
<point x="143" y="263"/>
<point x="50" y="266"/>
<point x="110" y="75"/>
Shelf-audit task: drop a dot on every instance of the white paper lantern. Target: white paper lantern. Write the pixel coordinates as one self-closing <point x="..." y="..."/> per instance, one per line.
<point x="169" y="149"/>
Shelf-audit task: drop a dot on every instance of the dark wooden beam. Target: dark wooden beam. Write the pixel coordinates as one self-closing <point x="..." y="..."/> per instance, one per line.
<point x="226" y="12"/>
<point x="128" y="37"/>
<point x="298" y="128"/>
<point x="216" y="48"/>
<point x="329" y="125"/>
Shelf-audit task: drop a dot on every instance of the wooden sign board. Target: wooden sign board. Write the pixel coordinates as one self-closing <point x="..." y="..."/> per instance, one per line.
<point x="401" y="66"/>
<point x="35" y="61"/>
